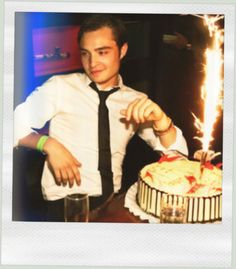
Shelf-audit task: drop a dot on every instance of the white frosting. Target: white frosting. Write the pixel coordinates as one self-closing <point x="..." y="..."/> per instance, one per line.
<point x="182" y="177"/>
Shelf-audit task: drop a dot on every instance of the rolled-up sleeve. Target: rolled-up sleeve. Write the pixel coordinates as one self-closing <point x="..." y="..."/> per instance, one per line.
<point x="152" y="140"/>
<point x="39" y="107"/>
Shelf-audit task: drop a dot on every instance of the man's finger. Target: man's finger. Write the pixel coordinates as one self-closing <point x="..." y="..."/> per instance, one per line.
<point x="64" y="177"/>
<point x="123" y="112"/>
<point x="57" y="175"/>
<point x="142" y="109"/>
<point x="130" y="109"/>
<point x="77" y="162"/>
<point x="136" y="109"/>
<point x="71" y="177"/>
<point x="148" y="113"/>
<point x="76" y="175"/>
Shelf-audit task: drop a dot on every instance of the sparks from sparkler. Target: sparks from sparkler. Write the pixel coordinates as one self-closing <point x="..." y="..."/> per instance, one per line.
<point x="212" y="88"/>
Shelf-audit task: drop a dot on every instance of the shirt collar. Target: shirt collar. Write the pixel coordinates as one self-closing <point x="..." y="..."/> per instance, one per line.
<point x="120" y="82"/>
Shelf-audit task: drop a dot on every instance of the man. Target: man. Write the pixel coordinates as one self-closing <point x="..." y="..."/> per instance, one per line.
<point x="71" y="103"/>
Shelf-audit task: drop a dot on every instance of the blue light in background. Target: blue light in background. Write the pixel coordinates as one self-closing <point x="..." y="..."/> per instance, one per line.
<point x="24" y="74"/>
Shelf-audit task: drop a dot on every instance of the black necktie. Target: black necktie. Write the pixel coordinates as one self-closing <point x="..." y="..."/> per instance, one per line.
<point x="104" y="159"/>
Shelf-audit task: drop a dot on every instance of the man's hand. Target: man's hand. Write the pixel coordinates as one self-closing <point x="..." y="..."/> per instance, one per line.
<point x="142" y="110"/>
<point x="62" y="163"/>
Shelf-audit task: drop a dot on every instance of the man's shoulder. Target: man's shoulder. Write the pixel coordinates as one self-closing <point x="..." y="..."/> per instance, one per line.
<point x="70" y="77"/>
<point x="65" y="82"/>
<point x="133" y="92"/>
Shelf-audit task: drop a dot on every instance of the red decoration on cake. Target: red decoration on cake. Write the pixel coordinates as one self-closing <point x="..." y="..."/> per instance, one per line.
<point x="209" y="166"/>
<point x="148" y="174"/>
<point x="191" y="179"/>
<point x="219" y="165"/>
<point x="195" y="188"/>
<point x="217" y="189"/>
<point x="166" y="158"/>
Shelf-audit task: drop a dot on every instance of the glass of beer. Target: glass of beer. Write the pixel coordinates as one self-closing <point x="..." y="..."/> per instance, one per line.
<point x="173" y="209"/>
<point x="76" y="208"/>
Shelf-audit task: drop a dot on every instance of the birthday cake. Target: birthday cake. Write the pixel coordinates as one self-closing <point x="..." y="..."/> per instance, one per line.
<point x="177" y="175"/>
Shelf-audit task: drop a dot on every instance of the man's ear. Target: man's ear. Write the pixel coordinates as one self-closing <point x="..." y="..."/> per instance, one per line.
<point x="123" y="50"/>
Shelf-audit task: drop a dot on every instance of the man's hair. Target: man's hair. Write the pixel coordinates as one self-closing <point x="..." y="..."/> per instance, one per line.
<point x="97" y="21"/>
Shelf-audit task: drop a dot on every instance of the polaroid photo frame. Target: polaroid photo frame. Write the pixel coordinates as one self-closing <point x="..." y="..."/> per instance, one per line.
<point x="114" y="244"/>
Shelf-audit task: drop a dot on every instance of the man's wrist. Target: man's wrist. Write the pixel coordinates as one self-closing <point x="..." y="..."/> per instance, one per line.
<point x="161" y="123"/>
<point x="41" y="142"/>
<point x="163" y="126"/>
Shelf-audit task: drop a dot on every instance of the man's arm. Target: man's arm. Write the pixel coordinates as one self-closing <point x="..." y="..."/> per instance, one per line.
<point x="61" y="162"/>
<point x="143" y="110"/>
<point x="41" y="106"/>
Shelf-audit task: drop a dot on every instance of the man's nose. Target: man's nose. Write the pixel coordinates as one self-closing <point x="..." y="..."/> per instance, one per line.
<point x="93" y="60"/>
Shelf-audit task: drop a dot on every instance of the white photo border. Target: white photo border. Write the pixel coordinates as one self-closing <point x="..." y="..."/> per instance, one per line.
<point x="101" y="244"/>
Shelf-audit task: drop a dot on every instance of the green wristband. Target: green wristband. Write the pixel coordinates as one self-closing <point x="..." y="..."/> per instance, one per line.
<point x="41" y="142"/>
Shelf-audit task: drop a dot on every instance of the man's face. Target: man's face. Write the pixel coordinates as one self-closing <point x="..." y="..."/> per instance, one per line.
<point x="101" y="56"/>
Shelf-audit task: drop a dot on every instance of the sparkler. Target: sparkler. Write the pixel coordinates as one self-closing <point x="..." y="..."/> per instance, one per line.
<point x="212" y="89"/>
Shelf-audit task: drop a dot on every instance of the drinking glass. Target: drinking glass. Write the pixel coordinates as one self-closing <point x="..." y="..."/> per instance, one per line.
<point x="173" y="209"/>
<point x="76" y="208"/>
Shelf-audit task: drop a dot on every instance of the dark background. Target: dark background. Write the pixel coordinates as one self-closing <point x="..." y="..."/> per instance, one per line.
<point x="171" y="76"/>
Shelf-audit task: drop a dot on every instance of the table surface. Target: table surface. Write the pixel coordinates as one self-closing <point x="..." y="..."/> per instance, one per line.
<point x="116" y="212"/>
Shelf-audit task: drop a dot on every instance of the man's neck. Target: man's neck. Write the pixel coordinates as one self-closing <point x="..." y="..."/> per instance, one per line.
<point x="102" y="87"/>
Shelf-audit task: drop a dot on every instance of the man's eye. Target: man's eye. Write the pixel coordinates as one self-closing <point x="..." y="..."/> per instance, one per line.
<point x="103" y="52"/>
<point x="83" y="53"/>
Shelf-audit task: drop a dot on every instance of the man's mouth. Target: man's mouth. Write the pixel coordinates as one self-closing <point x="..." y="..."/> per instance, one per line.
<point x="95" y="72"/>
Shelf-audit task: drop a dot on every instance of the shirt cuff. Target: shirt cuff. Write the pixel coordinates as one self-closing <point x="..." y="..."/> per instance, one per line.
<point x="179" y="144"/>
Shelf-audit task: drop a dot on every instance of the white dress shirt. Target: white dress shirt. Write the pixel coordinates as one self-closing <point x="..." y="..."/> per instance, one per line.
<point x="72" y="108"/>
